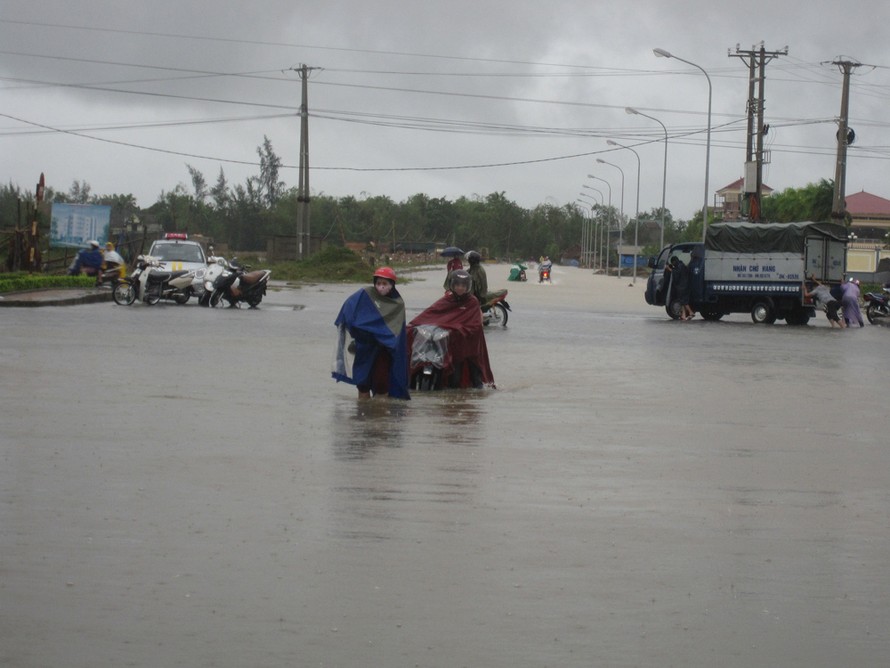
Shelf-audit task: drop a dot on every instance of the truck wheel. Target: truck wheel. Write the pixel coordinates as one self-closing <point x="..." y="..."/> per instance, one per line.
<point x="674" y="309"/>
<point x="797" y="318"/>
<point x="763" y="312"/>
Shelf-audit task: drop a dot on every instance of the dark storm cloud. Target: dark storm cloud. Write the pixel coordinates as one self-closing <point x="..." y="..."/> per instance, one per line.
<point x="404" y="90"/>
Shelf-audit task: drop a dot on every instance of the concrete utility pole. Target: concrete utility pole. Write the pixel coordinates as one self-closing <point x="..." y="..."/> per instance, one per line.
<point x="845" y="137"/>
<point x="754" y="159"/>
<point x="303" y="198"/>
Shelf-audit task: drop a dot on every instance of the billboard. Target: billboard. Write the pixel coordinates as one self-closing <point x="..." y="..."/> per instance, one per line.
<point x="74" y="224"/>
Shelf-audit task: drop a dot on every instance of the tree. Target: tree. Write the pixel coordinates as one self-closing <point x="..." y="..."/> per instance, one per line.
<point x="269" y="187"/>
<point x="79" y="193"/>
<point x="812" y="202"/>
<point x="11" y="206"/>
<point x="198" y="184"/>
<point x="220" y="192"/>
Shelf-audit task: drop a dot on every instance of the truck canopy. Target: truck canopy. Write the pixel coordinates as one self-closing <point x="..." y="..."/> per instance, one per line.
<point x="769" y="237"/>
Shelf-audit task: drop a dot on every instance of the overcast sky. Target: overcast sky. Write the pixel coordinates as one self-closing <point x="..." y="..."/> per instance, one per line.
<point x="450" y="99"/>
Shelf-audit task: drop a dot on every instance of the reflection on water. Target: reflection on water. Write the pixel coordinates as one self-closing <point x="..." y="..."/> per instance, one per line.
<point x="361" y="426"/>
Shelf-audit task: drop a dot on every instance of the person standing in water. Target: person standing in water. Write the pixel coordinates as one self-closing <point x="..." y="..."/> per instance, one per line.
<point x="376" y="359"/>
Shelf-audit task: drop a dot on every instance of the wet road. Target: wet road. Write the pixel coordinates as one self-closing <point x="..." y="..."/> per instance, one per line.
<point x="183" y="486"/>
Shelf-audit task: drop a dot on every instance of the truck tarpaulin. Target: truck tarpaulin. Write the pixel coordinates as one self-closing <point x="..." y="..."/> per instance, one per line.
<point x="769" y="237"/>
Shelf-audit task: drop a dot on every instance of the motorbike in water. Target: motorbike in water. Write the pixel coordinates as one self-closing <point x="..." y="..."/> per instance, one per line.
<point x="230" y="284"/>
<point x="877" y="306"/>
<point x="429" y="355"/>
<point x="517" y="272"/>
<point x="544" y="274"/>
<point x="496" y="310"/>
<point x="150" y="283"/>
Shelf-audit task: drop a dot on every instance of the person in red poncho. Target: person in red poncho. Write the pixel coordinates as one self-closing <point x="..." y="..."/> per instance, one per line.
<point x="458" y="311"/>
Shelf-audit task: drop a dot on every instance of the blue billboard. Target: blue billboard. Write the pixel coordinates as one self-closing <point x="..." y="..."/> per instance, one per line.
<point x="73" y="225"/>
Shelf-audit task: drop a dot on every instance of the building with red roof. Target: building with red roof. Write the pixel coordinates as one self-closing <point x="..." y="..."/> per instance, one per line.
<point x="869" y="215"/>
<point x="730" y="198"/>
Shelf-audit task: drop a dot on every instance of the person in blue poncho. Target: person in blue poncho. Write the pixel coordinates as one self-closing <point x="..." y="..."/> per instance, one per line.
<point x="372" y="350"/>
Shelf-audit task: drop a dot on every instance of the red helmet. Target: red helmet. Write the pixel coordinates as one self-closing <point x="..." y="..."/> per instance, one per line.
<point x="387" y="273"/>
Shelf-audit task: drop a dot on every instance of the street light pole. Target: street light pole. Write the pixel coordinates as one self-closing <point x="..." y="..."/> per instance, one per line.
<point x="637" y="216"/>
<point x="631" y="110"/>
<point x="620" y="224"/>
<point x="595" y="223"/>
<point x="587" y="234"/>
<point x="609" y="228"/>
<point x="661" y="53"/>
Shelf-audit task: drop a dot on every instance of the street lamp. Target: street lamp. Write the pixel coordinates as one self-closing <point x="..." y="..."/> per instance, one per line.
<point x="631" y="110"/>
<point x="597" y="223"/>
<point x="588" y="230"/>
<point x="620" y="224"/>
<point x="637" y="216"/>
<point x="608" y="232"/>
<point x="661" y="53"/>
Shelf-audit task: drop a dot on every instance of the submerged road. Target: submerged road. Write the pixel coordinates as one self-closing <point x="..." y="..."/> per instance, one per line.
<point x="185" y="486"/>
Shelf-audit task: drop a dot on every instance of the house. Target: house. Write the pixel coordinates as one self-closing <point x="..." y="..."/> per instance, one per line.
<point x="869" y="215"/>
<point x="731" y="197"/>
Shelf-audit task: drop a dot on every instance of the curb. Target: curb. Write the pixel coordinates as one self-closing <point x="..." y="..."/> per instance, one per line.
<point x="55" y="297"/>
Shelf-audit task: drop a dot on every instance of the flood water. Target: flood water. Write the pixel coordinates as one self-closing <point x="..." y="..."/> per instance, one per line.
<point x="185" y="486"/>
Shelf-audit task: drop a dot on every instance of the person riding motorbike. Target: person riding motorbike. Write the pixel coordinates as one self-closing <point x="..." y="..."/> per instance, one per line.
<point x="477" y="273"/>
<point x="546" y="265"/>
<point x="458" y="311"/>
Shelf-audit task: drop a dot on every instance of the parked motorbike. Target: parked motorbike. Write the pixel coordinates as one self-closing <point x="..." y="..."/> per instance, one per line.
<point x="496" y="310"/>
<point x="877" y="306"/>
<point x="232" y="284"/>
<point x="150" y="283"/>
<point x="217" y="267"/>
<point x="429" y="352"/>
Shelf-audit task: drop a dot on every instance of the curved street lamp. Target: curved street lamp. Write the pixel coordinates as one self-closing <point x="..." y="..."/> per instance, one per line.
<point x="631" y="110"/>
<point x="661" y="53"/>
<point x="606" y="230"/>
<point x="588" y="230"/>
<point x="620" y="225"/>
<point x="637" y="216"/>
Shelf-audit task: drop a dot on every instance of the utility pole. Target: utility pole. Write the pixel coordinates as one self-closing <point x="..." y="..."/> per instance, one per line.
<point x="303" y="197"/>
<point x="845" y="137"/>
<point x="754" y="158"/>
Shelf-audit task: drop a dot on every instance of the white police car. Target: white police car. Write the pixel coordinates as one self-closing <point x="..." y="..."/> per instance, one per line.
<point x="177" y="252"/>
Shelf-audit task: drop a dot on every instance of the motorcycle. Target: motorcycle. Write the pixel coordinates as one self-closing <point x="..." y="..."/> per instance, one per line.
<point x="150" y="283"/>
<point x="429" y="353"/>
<point x="496" y="310"/>
<point x="877" y="306"/>
<point x="234" y="284"/>
<point x="517" y="273"/>
<point x="216" y="267"/>
<point x="544" y="275"/>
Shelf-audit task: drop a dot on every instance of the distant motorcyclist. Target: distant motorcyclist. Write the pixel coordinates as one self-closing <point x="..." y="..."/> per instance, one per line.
<point x="545" y="266"/>
<point x="477" y="273"/>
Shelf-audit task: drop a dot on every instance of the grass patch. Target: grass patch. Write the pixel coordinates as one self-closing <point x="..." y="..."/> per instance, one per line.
<point x="21" y="281"/>
<point x="333" y="264"/>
